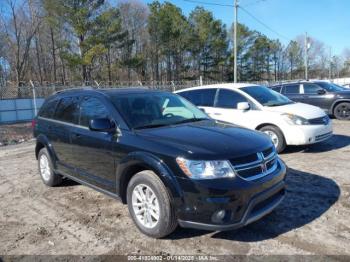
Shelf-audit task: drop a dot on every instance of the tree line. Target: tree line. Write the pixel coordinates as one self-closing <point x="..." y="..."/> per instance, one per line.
<point x="83" y="40"/>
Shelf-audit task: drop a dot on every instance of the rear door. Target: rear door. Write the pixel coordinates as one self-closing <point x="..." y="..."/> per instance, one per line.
<point x="226" y="109"/>
<point x="92" y="151"/>
<point x="64" y="121"/>
<point x="293" y="92"/>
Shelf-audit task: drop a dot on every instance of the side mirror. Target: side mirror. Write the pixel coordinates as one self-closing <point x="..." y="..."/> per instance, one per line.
<point x="243" y="106"/>
<point x="101" y="125"/>
<point x="321" y="92"/>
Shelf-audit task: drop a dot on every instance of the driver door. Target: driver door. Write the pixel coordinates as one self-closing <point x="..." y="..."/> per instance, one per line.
<point x="226" y="109"/>
<point x="315" y="95"/>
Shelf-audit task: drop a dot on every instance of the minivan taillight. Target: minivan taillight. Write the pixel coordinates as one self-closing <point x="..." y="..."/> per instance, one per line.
<point x="33" y="123"/>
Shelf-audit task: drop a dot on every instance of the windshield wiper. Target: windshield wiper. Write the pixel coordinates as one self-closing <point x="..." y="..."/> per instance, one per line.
<point x="190" y="120"/>
<point x="150" y="126"/>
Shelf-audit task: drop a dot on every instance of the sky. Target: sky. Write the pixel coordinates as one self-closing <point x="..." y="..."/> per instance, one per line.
<point x="325" y="20"/>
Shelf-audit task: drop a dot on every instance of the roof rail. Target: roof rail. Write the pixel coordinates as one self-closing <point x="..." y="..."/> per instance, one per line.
<point x="74" y="89"/>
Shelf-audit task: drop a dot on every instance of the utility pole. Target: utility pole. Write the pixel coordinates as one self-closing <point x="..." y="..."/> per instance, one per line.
<point x="307" y="46"/>
<point x="235" y="45"/>
<point x="330" y="63"/>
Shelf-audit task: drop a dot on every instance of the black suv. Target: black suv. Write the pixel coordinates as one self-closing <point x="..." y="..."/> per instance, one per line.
<point x="332" y="98"/>
<point x="161" y="155"/>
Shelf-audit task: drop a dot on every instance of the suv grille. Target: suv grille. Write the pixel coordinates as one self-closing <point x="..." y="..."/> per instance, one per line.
<point x="257" y="165"/>
<point x="319" y="121"/>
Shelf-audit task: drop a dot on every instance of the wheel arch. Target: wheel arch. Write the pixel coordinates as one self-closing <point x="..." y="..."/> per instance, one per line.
<point x="337" y="102"/>
<point x="43" y="142"/>
<point x="140" y="161"/>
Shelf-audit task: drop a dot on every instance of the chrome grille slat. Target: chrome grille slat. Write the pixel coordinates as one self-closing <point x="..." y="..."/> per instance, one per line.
<point x="256" y="169"/>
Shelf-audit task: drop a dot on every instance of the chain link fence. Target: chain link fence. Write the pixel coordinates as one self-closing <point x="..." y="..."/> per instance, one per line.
<point x="43" y="90"/>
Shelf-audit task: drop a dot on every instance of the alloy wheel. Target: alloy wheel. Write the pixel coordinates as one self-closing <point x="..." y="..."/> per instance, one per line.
<point x="145" y="206"/>
<point x="45" y="169"/>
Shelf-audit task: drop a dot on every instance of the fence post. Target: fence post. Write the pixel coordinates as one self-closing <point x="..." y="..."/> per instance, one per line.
<point x="97" y="84"/>
<point x="200" y="80"/>
<point x="34" y="98"/>
<point x="173" y="85"/>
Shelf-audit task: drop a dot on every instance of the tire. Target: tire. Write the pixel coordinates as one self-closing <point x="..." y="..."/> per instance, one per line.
<point x="167" y="221"/>
<point x="275" y="134"/>
<point x="342" y="111"/>
<point x="48" y="176"/>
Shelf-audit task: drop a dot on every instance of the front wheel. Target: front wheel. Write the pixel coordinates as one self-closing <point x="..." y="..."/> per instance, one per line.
<point x="276" y="136"/>
<point x="342" y="111"/>
<point x="149" y="204"/>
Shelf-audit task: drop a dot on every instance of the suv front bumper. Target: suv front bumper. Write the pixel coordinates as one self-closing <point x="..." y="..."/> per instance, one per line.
<point x="243" y="202"/>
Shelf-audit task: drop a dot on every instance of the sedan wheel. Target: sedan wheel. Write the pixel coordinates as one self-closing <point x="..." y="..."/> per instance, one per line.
<point x="342" y="111"/>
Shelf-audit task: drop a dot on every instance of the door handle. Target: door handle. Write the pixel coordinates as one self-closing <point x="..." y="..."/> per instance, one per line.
<point x="76" y="135"/>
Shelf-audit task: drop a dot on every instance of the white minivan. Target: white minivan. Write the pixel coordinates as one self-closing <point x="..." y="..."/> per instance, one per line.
<point x="260" y="108"/>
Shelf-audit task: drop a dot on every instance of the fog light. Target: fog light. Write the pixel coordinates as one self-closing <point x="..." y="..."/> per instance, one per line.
<point x="218" y="216"/>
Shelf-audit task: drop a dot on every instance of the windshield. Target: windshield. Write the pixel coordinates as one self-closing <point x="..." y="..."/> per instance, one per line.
<point x="155" y="109"/>
<point x="266" y="96"/>
<point x="330" y="87"/>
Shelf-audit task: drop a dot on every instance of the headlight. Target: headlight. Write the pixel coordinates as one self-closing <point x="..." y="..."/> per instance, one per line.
<point x="197" y="169"/>
<point x="295" y="120"/>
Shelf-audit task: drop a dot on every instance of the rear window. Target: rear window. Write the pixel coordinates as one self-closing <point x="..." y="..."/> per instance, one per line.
<point x="68" y="110"/>
<point x="92" y="108"/>
<point x="200" y="97"/>
<point x="48" y="108"/>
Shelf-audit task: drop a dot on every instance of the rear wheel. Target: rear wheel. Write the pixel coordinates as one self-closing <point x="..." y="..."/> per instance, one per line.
<point x="276" y="136"/>
<point x="342" y="111"/>
<point x="49" y="177"/>
<point x="149" y="204"/>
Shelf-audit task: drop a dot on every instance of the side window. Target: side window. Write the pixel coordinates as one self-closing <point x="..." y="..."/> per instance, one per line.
<point x="68" y="110"/>
<point x="292" y="89"/>
<point x="200" y="97"/>
<point x="311" y="89"/>
<point x="91" y="108"/>
<point x="48" y="109"/>
<point x="276" y="88"/>
<point x="229" y="99"/>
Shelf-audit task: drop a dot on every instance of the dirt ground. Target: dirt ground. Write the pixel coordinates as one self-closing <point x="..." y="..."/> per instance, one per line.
<point x="73" y="219"/>
<point x="15" y="133"/>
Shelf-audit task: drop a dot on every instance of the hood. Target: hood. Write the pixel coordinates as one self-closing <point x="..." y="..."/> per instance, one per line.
<point x="299" y="109"/>
<point x="209" y="139"/>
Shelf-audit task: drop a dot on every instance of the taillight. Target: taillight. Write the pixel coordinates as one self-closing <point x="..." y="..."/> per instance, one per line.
<point x="33" y="123"/>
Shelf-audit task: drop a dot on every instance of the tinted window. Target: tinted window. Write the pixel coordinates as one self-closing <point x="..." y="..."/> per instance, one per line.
<point x="68" y="110"/>
<point x="229" y="99"/>
<point x="331" y="87"/>
<point x="311" y="88"/>
<point x="276" y="88"/>
<point x="48" y="109"/>
<point x="92" y="108"/>
<point x="291" y="89"/>
<point x="202" y="97"/>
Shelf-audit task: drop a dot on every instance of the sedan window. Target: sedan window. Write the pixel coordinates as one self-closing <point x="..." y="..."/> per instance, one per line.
<point x="200" y="97"/>
<point x="311" y="89"/>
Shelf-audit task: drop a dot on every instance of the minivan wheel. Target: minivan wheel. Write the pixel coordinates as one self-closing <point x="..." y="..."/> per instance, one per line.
<point x="276" y="136"/>
<point x="149" y="204"/>
<point x="49" y="177"/>
<point x="342" y="111"/>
